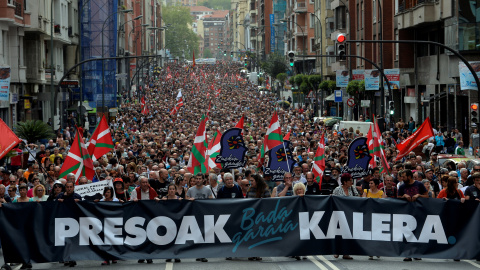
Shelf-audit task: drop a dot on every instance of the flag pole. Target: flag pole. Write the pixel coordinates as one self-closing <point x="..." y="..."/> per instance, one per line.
<point x="43" y="169"/>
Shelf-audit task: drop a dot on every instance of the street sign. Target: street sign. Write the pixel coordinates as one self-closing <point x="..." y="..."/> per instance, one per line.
<point x="120" y="76"/>
<point x="364" y="103"/>
<point x="338" y="95"/>
<point x="351" y="102"/>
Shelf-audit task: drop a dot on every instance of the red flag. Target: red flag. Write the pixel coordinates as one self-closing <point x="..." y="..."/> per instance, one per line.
<point x="209" y="106"/>
<point x="273" y="137"/>
<point x="370" y="143"/>
<point x="8" y="140"/>
<point x="142" y="103"/>
<point x="424" y="132"/>
<point x="177" y="106"/>
<point x="379" y="147"/>
<point x="287" y="138"/>
<point x="193" y="58"/>
<point x="78" y="161"/>
<point x="319" y="162"/>
<point x="241" y="123"/>
<point x="213" y="151"/>
<point x="101" y="141"/>
<point x="145" y="110"/>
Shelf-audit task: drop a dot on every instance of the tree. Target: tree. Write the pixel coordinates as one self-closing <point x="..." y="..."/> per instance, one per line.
<point x="282" y="77"/>
<point x="179" y="38"/>
<point x="355" y="88"/>
<point x="314" y="81"/>
<point x="274" y="64"/>
<point x="327" y="85"/>
<point x="207" y="53"/>
<point x="216" y="4"/>
<point x="34" y="130"/>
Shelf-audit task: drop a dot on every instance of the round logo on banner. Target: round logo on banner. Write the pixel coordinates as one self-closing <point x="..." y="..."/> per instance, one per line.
<point x="351" y="102"/>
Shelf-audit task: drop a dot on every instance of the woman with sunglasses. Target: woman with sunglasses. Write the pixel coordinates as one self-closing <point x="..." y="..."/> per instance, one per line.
<point x="39" y="193"/>
<point x="58" y="188"/>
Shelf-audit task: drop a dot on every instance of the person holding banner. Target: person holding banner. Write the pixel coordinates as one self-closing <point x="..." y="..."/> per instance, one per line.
<point x="346" y="189"/>
<point x="23" y="195"/>
<point x="143" y="192"/>
<point x="120" y="192"/>
<point x="230" y="189"/>
<point x="108" y="196"/>
<point x="39" y="193"/>
<point x="451" y="191"/>
<point x="258" y="188"/>
<point x="57" y="188"/>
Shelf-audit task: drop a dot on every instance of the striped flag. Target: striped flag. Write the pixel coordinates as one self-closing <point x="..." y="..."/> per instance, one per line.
<point x="213" y="151"/>
<point x="273" y="137"/>
<point x="196" y="163"/>
<point x="101" y="141"/>
<point x="78" y="161"/>
<point x="370" y="143"/>
<point x="319" y="161"/>
<point x="379" y="148"/>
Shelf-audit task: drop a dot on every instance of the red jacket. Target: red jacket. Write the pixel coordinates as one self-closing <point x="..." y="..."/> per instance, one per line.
<point x="153" y="194"/>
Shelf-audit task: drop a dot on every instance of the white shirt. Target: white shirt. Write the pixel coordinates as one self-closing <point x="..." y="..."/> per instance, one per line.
<point x="145" y="195"/>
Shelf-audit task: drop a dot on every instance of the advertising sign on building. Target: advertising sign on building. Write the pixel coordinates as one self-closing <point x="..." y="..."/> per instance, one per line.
<point x="372" y="79"/>
<point x="467" y="82"/>
<point x="393" y="76"/>
<point x="358" y="74"/>
<point x="5" y="83"/>
<point x="272" y="33"/>
<point x="342" y="78"/>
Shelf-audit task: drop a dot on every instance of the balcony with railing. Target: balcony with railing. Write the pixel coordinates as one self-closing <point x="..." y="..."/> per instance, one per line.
<point x="413" y="13"/>
<point x="300" y="6"/>
<point x="301" y="31"/>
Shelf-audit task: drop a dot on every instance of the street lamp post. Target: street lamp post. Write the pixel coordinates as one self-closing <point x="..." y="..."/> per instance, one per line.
<point x="128" y="84"/>
<point x="321" y="58"/>
<point x="118" y="47"/>
<point x="103" y="52"/>
<point x="303" y="34"/>
<point x="141" y="54"/>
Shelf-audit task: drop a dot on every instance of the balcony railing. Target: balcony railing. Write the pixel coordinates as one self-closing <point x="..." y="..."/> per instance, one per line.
<point x="18" y="8"/>
<point x="408" y="4"/>
<point x="300" y="6"/>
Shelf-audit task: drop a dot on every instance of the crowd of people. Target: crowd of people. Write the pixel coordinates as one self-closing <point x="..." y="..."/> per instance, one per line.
<point x="153" y="147"/>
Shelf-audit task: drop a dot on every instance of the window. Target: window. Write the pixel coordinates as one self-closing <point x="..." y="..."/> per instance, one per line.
<point x="374" y="10"/>
<point x="396" y="45"/>
<point x="340" y="20"/>
<point x="312" y="20"/>
<point x="312" y="44"/>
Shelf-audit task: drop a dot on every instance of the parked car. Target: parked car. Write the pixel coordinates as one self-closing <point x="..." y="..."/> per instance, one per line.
<point x="450" y="161"/>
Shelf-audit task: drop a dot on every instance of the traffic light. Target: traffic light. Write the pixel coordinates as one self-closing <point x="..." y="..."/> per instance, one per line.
<point x="231" y="54"/>
<point x="246" y="60"/>
<point x="224" y="53"/>
<point x="391" y="107"/>
<point x="341" y="46"/>
<point x="474" y="113"/>
<point x="291" y="58"/>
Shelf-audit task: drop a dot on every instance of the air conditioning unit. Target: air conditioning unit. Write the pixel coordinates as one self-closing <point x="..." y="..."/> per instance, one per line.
<point x="121" y="51"/>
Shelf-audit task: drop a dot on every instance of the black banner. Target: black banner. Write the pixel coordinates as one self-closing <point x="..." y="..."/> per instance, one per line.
<point x="55" y="231"/>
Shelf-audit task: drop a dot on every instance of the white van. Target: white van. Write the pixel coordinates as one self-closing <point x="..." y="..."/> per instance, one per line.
<point x="362" y="126"/>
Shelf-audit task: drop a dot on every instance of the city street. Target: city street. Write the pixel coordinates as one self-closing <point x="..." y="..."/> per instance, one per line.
<point x="283" y="263"/>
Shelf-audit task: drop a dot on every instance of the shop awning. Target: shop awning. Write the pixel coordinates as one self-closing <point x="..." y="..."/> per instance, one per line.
<point x="331" y="97"/>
